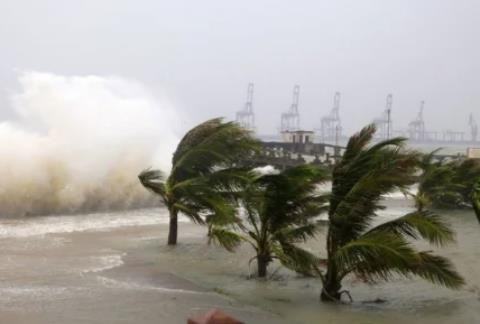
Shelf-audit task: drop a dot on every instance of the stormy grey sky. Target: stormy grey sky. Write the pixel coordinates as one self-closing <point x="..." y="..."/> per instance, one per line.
<point x="203" y="53"/>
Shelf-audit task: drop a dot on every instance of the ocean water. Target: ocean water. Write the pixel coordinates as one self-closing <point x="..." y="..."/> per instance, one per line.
<point x="115" y="268"/>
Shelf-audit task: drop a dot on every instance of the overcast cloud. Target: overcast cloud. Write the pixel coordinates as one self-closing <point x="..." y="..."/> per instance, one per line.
<point x="204" y="53"/>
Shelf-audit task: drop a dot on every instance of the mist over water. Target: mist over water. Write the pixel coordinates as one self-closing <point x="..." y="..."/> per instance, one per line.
<point x="77" y="143"/>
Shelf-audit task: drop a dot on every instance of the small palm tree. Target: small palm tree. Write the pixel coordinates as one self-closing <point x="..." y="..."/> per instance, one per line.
<point x="204" y="173"/>
<point x="279" y="212"/>
<point x="360" y="179"/>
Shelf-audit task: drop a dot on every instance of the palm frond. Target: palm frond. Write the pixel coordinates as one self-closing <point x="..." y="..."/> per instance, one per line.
<point x="279" y="211"/>
<point x="359" y="159"/>
<point x="357" y="143"/>
<point x="211" y="145"/>
<point x="372" y="247"/>
<point x="297" y="234"/>
<point x="291" y="197"/>
<point x="375" y="255"/>
<point x="230" y="240"/>
<point x="380" y="255"/>
<point x="391" y="170"/>
<point x="476" y="199"/>
<point x="223" y="213"/>
<point x="448" y="184"/>
<point x="230" y="181"/>
<point x="467" y="174"/>
<point x="427" y="159"/>
<point x="420" y="224"/>
<point x="190" y="210"/>
<point x="195" y="136"/>
<point x="437" y="269"/>
<point x="297" y="259"/>
<point x="199" y="197"/>
<point x="153" y="180"/>
<point x="362" y="177"/>
<point x="437" y="184"/>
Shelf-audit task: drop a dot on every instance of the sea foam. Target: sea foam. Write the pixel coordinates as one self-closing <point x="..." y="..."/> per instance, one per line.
<point x="77" y="143"/>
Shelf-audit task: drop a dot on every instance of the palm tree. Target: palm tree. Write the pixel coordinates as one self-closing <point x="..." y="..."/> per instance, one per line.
<point x="360" y="179"/>
<point x="448" y="184"/>
<point x="476" y="199"/>
<point x="467" y="173"/>
<point x="279" y="212"/>
<point x="436" y="184"/>
<point x="204" y="173"/>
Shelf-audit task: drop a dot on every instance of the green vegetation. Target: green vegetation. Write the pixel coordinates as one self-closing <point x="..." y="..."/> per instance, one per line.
<point x="274" y="213"/>
<point x="279" y="211"/>
<point x="435" y="184"/>
<point x="360" y="179"/>
<point x="446" y="184"/>
<point x="476" y="199"/>
<point x="204" y="177"/>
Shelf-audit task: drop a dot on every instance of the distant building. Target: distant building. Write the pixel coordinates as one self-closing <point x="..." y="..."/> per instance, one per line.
<point x="473" y="153"/>
<point x="298" y="136"/>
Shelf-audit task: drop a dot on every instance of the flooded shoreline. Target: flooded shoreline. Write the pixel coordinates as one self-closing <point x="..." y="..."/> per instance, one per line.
<point x="75" y="272"/>
<point x="116" y="268"/>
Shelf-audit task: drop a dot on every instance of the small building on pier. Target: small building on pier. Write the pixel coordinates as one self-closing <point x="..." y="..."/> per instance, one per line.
<point x="473" y="153"/>
<point x="298" y="136"/>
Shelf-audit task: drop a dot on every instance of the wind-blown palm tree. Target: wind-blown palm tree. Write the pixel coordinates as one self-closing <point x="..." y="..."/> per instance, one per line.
<point x="360" y="179"/>
<point x="436" y="185"/>
<point x="446" y="184"/>
<point x="467" y="174"/>
<point x="204" y="173"/>
<point x="279" y="212"/>
<point x="476" y="199"/>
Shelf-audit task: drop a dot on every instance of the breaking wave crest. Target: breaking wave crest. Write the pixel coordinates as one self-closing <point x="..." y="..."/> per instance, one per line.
<point x="76" y="144"/>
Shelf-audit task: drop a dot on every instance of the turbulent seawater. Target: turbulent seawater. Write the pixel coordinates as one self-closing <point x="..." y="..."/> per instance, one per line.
<point x="115" y="268"/>
<point x="76" y="143"/>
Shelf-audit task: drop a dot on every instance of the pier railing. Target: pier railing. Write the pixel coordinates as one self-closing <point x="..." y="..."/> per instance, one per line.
<point x="282" y="155"/>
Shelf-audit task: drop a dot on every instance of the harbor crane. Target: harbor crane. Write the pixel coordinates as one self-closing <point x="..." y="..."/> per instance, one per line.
<point x="473" y="128"/>
<point x="331" y="126"/>
<point x="290" y="121"/>
<point x="384" y="122"/>
<point x="246" y="117"/>
<point x="416" y="128"/>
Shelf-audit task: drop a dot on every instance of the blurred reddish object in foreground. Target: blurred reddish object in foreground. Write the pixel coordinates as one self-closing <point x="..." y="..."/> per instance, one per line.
<point x="213" y="316"/>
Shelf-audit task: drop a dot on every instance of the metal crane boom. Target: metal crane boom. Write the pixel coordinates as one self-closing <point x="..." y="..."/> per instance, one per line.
<point x="331" y="127"/>
<point x="384" y="123"/>
<point x="290" y="121"/>
<point x="473" y="128"/>
<point x="246" y="116"/>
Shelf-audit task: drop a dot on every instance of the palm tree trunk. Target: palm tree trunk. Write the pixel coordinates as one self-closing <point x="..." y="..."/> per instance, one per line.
<point x="331" y="289"/>
<point x="262" y="263"/>
<point x="332" y="284"/>
<point x="475" y="196"/>
<point x="173" y="228"/>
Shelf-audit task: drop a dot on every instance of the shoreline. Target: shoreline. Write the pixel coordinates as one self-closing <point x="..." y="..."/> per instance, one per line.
<point x="108" y="276"/>
<point x="141" y="270"/>
<point x="126" y="273"/>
